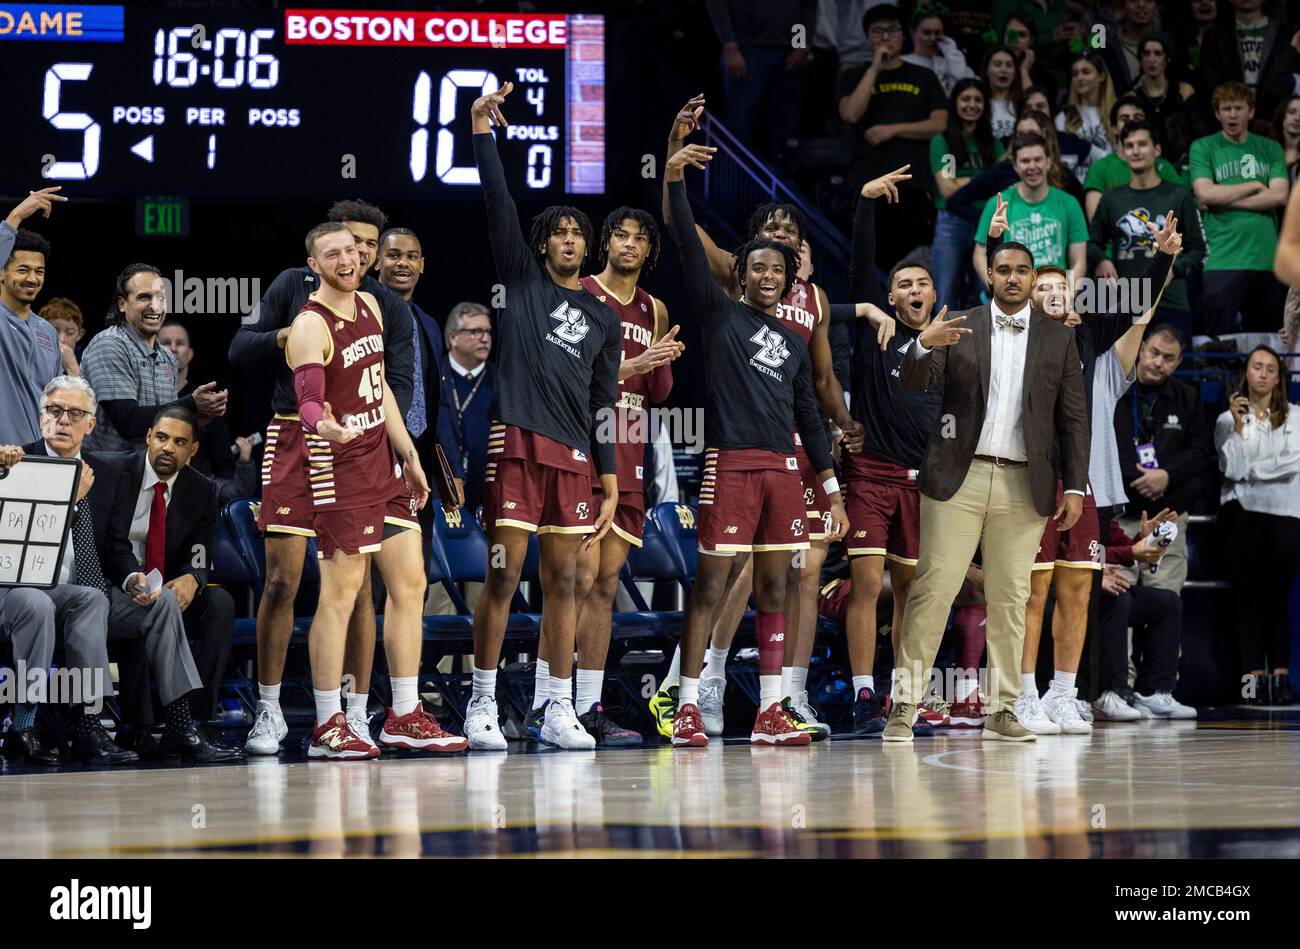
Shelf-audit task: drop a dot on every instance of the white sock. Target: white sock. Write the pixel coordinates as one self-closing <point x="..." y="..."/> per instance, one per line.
<point x="561" y="689"/>
<point x="964" y="688"/>
<point x="863" y="682"/>
<point x="674" y="671"/>
<point x="798" y="680"/>
<point x="787" y="675"/>
<point x="715" y="666"/>
<point x="541" y="683"/>
<point x="485" y="683"/>
<point x="406" y="695"/>
<point x="269" y="695"/>
<point x="328" y="704"/>
<point x="357" y="702"/>
<point x="771" y="689"/>
<point x="689" y="693"/>
<point x="1063" y="682"/>
<point x="590" y="684"/>
<point x="1028" y="684"/>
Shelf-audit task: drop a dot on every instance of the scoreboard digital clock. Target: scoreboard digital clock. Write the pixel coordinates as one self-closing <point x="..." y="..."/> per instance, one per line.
<point x="297" y="104"/>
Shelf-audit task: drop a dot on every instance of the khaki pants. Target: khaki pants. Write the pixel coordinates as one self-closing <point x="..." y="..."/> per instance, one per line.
<point x="993" y="508"/>
<point x="1173" y="565"/>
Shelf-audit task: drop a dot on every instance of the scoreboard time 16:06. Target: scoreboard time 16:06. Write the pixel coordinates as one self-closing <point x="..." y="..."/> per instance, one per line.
<point x="251" y="105"/>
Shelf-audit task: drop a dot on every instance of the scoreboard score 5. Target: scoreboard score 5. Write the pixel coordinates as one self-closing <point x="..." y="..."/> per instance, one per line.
<point x="253" y="105"/>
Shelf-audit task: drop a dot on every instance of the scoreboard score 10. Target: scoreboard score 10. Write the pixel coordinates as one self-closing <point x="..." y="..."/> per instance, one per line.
<point x="291" y="105"/>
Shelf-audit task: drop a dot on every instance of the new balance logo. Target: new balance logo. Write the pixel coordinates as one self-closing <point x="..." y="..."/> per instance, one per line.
<point x="369" y="530"/>
<point x="858" y="535"/>
<point x="510" y="505"/>
<point x="732" y="530"/>
<point x="282" y="510"/>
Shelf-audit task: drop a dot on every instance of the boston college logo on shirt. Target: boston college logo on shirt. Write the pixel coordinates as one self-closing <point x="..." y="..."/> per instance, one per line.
<point x="572" y="326"/>
<point x="773" y="351"/>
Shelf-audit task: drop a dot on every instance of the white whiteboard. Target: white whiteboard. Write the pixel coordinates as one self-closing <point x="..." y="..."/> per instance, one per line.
<point x="36" y="498"/>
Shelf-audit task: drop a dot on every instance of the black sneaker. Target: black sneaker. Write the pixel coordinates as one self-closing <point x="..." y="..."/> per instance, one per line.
<point x="607" y="733"/>
<point x="868" y="715"/>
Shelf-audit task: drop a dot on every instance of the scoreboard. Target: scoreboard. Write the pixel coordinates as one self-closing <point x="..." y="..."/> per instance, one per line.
<point x="228" y="103"/>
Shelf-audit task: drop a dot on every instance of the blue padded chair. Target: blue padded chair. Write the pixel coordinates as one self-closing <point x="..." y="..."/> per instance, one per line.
<point x="676" y="524"/>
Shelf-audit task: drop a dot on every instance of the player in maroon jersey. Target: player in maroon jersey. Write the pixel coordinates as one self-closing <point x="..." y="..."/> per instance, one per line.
<point x="805" y="310"/>
<point x="363" y="500"/>
<point x="629" y="244"/>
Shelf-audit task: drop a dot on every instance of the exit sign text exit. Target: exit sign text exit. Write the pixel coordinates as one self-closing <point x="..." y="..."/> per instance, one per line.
<point x="161" y="216"/>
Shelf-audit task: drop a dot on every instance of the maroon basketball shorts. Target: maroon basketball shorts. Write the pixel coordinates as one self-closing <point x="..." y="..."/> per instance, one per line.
<point x="1079" y="547"/>
<point x="817" y="506"/>
<point x="286" y="493"/>
<point x="539" y="498"/>
<point x="884" y="509"/>
<point x="629" y="516"/>
<point x="745" y="508"/>
<point x="363" y="530"/>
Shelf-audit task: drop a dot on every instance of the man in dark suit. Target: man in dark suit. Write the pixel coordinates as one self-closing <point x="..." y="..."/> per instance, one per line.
<point x="987" y="480"/>
<point x="74" y="612"/>
<point x="468" y="380"/>
<point x="162" y="518"/>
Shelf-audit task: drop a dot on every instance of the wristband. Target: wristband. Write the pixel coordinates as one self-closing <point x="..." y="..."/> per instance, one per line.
<point x="831" y="486"/>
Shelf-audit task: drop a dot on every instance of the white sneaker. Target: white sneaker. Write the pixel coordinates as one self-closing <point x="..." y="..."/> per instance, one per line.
<point x="800" y="704"/>
<point x="269" y="729"/>
<point x="710" y="704"/>
<point x="483" y="725"/>
<point x="1085" y="710"/>
<point x="1029" y="712"/>
<point x="1061" y="709"/>
<point x="1111" y="708"/>
<point x="1144" y="713"/>
<point x="359" y="722"/>
<point x="563" y="729"/>
<point x="1164" y="705"/>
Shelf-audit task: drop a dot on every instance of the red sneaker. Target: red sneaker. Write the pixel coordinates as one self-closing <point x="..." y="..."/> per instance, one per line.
<point x="337" y="741"/>
<point x="936" y="712"/>
<point x="688" y="728"/>
<point x="968" y="714"/>
<point x="773" y="727"/>
<point x="419" y="731"/>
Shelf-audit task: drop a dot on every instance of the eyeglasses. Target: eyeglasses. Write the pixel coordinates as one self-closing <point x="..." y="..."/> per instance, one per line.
<point x="879" y="31"/>
<point x="476" y="333"/>
<point x="56" y="412"/>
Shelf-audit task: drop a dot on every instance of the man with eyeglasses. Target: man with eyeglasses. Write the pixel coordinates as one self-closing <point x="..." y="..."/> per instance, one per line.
<point x="893" y="108"/>
<point x="467" y="383"/>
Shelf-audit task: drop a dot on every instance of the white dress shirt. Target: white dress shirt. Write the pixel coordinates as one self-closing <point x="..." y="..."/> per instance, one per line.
<point x="68" y="571"/>
<point x="1002" y="434"/>
<point x="462" y="370"/>
<point x="1261" y="466"/>
<point x="144" y="501"/>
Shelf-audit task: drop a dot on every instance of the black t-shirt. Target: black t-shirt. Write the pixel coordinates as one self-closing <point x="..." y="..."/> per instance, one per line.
<point x="906" y="94"/>
<point x="758" y="375"/>
<point x="559" y="348"/>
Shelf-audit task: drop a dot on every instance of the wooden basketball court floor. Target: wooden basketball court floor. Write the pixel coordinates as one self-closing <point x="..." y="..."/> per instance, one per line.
<point x="1225" y="786"/>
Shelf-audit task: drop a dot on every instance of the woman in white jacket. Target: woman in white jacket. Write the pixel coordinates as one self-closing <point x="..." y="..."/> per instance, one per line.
<point x="1258" y="441"/>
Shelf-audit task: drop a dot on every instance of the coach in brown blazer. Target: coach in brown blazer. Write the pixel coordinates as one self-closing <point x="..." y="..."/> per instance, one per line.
<point x="1012" y="386"/>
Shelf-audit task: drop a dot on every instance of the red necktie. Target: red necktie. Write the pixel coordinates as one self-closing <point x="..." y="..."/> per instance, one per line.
<point x="155" y="548"/>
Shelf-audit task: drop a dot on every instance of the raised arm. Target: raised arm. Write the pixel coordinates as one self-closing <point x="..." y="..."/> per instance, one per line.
<point x="721" y="262"/>
<point x="864" y="281"/>
<point x="511" y="253"/>
<point x="707" y="300"/>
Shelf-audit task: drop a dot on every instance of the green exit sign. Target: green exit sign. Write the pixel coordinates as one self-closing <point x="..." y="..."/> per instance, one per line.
<point x="162" y="216"/>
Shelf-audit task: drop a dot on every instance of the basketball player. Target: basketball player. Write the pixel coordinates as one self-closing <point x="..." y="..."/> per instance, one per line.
<point x="363" y="500"/>
<point x="759" y="389"/>
<point x="1068" y="561"/>
<point x="883" y="504"/>
<point x="559" y="356"/>
<point x="806" y="310"/>
<point x="629" y="246"/>
<point x="285" y="514"/>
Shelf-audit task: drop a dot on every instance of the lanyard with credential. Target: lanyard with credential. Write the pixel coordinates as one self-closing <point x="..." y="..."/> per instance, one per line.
<point x="455" y="394"/>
